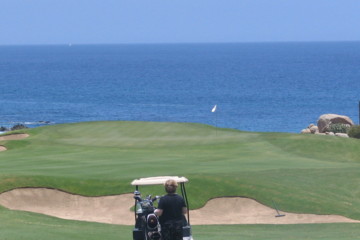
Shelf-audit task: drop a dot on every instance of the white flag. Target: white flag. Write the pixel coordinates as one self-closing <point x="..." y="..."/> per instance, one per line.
<point x="214" y="109"/>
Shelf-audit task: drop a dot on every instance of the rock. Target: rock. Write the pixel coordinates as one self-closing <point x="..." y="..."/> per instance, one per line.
<point x="3" y="129"/>
<point x="314" y="129"/>
<point x="330" y="133"/>
<point x="342" y="135"/>
<point x="317" y="133"/>
<point x="18" y="126"/>
<point x="326" y="119"/>
<point x="306" y="131"/>
<point x="310" y="129"/>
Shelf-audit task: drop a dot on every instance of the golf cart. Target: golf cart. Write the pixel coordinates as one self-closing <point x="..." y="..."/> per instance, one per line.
<point x="147" y="226"/>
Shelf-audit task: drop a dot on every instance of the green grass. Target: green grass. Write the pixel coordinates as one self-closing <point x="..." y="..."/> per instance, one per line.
<point x="301" y="173"/>
<point x="15" y="225"/>
<point x="274" y="232"/>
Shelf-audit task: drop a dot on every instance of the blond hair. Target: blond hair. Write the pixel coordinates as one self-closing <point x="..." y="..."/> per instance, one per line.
<point x="170" y="186"/>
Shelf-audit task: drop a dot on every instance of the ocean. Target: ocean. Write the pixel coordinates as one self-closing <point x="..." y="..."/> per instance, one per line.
<point x="266" y="87"/>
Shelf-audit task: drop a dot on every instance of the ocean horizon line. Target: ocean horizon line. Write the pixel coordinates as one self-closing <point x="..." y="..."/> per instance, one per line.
<point x="72" y="44"/>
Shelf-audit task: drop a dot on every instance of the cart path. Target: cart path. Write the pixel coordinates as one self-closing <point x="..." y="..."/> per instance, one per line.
<point x="116" y="209"/>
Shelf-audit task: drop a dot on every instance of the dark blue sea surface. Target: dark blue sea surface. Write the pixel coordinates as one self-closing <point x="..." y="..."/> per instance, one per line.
<point x="277" y="87"/>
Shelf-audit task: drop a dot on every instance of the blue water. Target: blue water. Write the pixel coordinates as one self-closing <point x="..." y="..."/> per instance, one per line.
<point x="279" y="87"/>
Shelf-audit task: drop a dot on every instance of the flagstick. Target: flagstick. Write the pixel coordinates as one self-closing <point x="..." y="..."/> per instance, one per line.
<point x="214" y="111"/>
<point x="216" y="124"/>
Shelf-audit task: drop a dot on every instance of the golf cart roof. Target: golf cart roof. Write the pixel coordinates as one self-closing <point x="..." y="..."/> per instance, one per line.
<point x="157" y="180"/>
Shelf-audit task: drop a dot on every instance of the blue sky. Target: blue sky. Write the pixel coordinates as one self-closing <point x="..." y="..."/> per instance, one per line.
<point x="177" y="21"/>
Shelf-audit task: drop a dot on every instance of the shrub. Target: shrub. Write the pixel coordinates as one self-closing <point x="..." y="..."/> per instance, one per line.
<point x="354" y="131"/>
<point x="339" y="128"/>
<point x="18" y="126"/>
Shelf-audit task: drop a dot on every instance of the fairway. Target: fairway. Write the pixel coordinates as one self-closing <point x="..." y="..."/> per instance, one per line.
<point x="301" y="173"/>
<point x="20" y="225"/>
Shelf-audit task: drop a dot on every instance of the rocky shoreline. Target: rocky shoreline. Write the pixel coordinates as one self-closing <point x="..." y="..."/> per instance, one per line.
<point x="6" y="127"/>
<point x="330" y="124"/>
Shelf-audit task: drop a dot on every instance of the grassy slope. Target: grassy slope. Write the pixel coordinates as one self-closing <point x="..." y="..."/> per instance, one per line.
<point x="301" y="173"/>
<point x="16" y="225"/>
<point x="275" y="232"/>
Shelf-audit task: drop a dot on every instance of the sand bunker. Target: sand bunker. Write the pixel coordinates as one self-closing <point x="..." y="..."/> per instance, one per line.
<point x="14" y="137"/>
<point x="116" y="209"/>
<point x="237" y="210"/>
<point x="109" y="209"/>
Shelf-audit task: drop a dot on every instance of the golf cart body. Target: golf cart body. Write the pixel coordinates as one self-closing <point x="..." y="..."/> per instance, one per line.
<point x="147" y="226"/>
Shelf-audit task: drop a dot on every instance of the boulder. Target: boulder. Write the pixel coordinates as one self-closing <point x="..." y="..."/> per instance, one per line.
<point x="310" y="129"/>
<point x="306" y="131"/>
<point x="326" y="119"/>
<point x="342" y="135"/>
<point x="314" y="129"/>
<point x="3" y="129"/>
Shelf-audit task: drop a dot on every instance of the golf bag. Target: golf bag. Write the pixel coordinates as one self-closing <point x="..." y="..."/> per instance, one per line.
<point x="147" y="226"/>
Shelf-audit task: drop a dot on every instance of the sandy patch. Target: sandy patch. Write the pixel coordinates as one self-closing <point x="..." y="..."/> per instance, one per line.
<point x="116" y="209"/>
<point x="109" y="209"/>
<point x="14" y="137"/>
<point x="237" y="210"/>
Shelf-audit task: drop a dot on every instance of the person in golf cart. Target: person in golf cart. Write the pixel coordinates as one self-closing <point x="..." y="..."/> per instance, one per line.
<point x="171" y="210"/>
